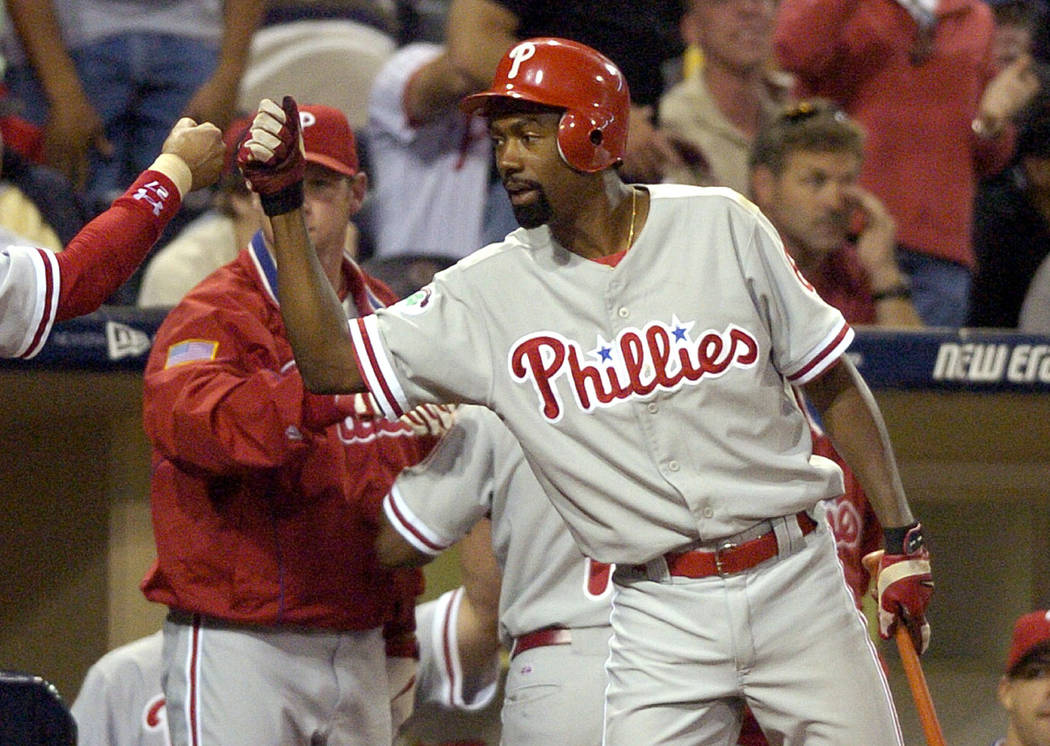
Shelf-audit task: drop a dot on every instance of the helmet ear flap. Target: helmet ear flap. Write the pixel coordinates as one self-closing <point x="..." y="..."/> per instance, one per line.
<point x="581" y="142"/>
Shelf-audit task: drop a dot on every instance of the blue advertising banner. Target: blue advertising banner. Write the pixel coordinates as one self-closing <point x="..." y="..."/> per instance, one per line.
<point x="957" y="359"/>
<point x="119" y="338"/>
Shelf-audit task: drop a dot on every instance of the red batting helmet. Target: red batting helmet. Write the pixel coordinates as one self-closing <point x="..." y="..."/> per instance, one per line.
<point x="592" y="134"/>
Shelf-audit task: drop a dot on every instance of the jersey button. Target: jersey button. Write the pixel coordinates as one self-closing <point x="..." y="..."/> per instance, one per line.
<point x="708" y="513"/>
<point x="673" y="466"/>
<point x="624" y="313"/>
<point x="653" y="409"/>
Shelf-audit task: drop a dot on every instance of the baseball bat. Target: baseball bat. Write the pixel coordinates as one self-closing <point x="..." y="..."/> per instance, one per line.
<point x="920" y="690"/>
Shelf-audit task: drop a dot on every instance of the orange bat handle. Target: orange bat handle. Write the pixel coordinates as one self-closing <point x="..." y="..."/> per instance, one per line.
<point x="920" y="690"/>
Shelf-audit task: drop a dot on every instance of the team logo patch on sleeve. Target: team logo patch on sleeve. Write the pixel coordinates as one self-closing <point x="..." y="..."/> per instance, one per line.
<point x="418" y="302"/>
<point x="190" y="351"/>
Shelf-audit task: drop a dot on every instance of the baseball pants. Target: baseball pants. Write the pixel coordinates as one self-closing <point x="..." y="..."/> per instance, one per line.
<point x="229" y="684"/>
<point x="784" y="636"/>
<point x="555" y="694"/>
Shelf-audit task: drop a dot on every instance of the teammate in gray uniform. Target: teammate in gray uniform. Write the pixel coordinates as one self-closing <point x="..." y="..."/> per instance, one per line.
<point x="459" y="652"/>
<point x="640" y="342"/>
<point x="554" y="602"/>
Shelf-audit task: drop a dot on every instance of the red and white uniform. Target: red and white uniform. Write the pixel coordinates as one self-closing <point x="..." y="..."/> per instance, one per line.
<point x="265" y="522"/>
<point x="39" y="287"/>
<point x="553" y="692"/>
<point x="653" y="401"/>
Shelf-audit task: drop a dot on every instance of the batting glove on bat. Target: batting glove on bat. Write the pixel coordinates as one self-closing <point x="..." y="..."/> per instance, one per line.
<point x="904" y="585"/>
<point x="430" y="419"/>
<point x="272" y="157"/>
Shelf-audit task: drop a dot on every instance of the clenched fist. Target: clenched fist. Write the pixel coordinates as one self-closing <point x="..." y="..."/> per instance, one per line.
<point x="272" y="158"/>
<point x="200" y="146"/>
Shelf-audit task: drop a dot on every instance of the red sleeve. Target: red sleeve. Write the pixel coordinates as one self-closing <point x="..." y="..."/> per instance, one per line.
<point x="233" y="413"/>
<point x="104" y="254"/>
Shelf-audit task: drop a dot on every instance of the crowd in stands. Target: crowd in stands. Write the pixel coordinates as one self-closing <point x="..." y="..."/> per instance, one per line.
<point x="900" y="148"/>
<point x="952" y="127"/>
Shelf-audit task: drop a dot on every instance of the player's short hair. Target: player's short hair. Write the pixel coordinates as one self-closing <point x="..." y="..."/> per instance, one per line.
<point x="814" y="125"/>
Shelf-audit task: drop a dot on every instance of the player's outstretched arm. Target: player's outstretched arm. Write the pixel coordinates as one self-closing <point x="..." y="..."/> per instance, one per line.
<point x="104" y="254"/>
<point x="274" y="165"/>
<point x="855" y="425"/>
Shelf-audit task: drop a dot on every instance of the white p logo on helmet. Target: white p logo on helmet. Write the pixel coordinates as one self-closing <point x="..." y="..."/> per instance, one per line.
<point x="519" y="54"/>
<point x="306" y="118"/>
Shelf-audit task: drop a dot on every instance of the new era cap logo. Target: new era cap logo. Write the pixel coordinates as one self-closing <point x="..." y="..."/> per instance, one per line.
<point x="125" y="341"/>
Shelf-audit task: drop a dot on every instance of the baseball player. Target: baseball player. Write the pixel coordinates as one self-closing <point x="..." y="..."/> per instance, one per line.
<point x="640" y="342"/>
<point x="1024" y="689"/>
<point x="554" y="602"/>
<point x="265" y="502"/>
<point x="39" y="287"/>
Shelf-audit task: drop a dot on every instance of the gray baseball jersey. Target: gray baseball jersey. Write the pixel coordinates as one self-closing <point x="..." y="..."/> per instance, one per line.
<point x="121" y="702"/>
<point x="553" y="694"/>
<point x="478" y="469"/>
<point x="652" y="399"/>
<point x="29" y="284"/>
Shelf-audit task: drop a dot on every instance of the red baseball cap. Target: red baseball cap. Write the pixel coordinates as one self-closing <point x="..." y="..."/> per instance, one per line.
<point x="1031" y="631"/>
<point x="328" y="139"/>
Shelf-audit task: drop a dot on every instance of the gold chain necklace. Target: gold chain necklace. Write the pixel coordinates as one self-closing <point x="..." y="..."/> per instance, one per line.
<point x="634" y="213"/>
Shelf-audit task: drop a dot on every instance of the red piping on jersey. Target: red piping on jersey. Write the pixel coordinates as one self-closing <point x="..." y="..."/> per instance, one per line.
<point x="446" y="629"/>
<point x="45" y="319"/>
<point x="412" y="529"/>
<point x="374" y="363"/>
<point x="821" y="355"/>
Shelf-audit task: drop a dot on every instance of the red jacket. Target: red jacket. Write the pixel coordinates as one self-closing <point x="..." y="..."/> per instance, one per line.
<point x="923" y="159"/>
<point x="257" y="518"/>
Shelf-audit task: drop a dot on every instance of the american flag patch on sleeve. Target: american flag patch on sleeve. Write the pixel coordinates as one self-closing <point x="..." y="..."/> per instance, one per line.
<point x="190" y="351"/>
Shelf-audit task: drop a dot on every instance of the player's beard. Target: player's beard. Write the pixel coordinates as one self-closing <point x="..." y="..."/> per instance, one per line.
<point x="535" y="213"/>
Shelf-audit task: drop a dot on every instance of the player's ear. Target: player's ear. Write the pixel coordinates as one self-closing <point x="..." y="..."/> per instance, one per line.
<point x="1005" y="693"/>
<point x="359" y="186"/>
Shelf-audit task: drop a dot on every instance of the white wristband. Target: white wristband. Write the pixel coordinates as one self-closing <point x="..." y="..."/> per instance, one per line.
<point x="175" y="169"/>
